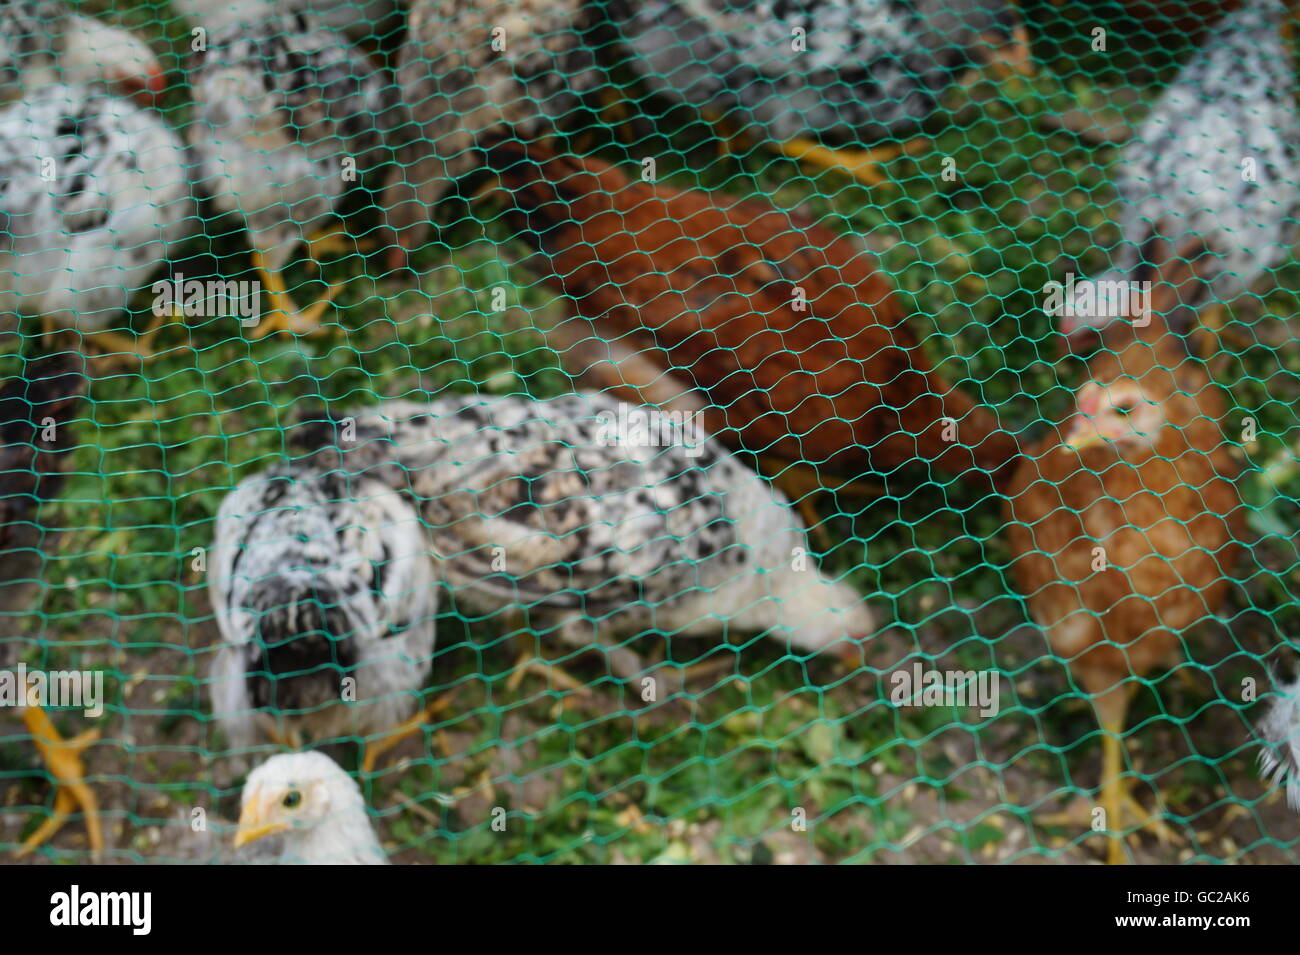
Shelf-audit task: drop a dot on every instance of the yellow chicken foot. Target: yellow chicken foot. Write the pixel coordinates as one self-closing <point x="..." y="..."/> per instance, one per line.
<point x="335" y="240"/>
<point x="62" y="758"/>
<point x="528" y="662"/>
<point x="284" y="315"/>
<point x="862" y="164"/>
<point x="1116" y="799"/>
<point x="730" y="142"/>
<point x="374" y="748"/>
<point x="118" y="348"/>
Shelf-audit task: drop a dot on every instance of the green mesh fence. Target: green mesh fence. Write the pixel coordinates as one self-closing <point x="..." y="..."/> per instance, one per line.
<point x="824" y="237"/>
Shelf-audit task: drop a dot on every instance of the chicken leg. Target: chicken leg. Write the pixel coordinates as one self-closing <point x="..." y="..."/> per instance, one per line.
<point x="284" y="315"/>
<point x="372" y="749"/>
<point x="1116" y="797"/>
<point x="62" y="759"/>
<point x="528" y="662"/>
<point x="862" y="164"/>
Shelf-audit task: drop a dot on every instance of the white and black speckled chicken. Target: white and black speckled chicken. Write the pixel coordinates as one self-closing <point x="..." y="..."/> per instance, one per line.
<point x="802" y="73"/>
<point x="1217" y="159"/>
<point x="539" y="505"/>
<point x="318" y="579"/>
<point x="471" y="71"/>
<point x="317" y="808"/>
<point x="291" y="130"/>
<point x="364" y="21"/>
<point x="38" y="411"/>
<point x="1280" y="731"/>
<point x="42" y="43"/>
<point x="94" y="191"/>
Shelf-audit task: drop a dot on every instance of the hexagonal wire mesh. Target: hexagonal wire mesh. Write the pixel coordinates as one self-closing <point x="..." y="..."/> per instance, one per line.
<point x="330" y="335"/>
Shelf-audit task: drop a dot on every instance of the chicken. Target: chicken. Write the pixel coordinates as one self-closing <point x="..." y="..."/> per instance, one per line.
<point x="323" y="590"/>
<point x="800" y="74"/>
<point x="94" y="193"/>
<point x="317" y="807"/>
<point x="1123" y="523"/>
<point x="472" y="70"/>
<point x="792" y="332"/>
<point x="292" y="126"/>
<point x="364" y="21"/>
<point x="1217" y="158"/>
<point x="43" y="43"/>
<point x="38" y="412"/>
<point x="597" y="519"/>
<point x="1280" y="731"/>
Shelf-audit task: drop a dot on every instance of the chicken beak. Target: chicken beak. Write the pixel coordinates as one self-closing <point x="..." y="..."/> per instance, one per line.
<point x="1082" y="434"/>
<point x="251" y="824"/>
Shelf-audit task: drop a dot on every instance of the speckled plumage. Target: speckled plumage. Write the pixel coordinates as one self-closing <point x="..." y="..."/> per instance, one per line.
<point x="29" y="43"/>
<point x="1280" y="732"/>
<point x="316" y="578"/>
<point x="591" y="528"/>
<point x="1232" y="102"/>
<point x="462" y="92"/>
<point x="93" y="193"/>
<point x="359" y="19"/>
<point x="280" y="105"/>
<point x="871" y="69"/>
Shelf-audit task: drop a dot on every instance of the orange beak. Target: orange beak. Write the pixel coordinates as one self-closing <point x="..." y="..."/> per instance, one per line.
<point x="1082" y="433"/>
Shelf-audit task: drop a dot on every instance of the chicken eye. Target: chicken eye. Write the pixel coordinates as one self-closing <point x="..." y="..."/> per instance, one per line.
<point x="291" y="799"/>
<point x="1123" y="410"/>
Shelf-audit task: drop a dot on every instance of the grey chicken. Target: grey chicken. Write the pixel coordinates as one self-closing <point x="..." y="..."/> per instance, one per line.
<point x="470" y="72"/>
<point x="799" y="74"/>
<point x="292" y="129"/>
<point x="324" y="592"/>
<point x="1216" y="160"/>
<point x="364" y="21"/>
<point x="94" y="193"/>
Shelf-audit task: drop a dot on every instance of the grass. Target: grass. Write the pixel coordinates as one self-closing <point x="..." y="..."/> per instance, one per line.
<point x="777" y="739"/>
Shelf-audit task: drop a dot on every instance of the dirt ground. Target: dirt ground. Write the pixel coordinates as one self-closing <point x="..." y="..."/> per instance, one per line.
<point x="154" y="770"/>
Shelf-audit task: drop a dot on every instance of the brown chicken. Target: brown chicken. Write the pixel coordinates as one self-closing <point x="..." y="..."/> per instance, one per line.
<point x="792" y="332"/>
<point x="1123" y="523"/>
<point x="36" y="412"/>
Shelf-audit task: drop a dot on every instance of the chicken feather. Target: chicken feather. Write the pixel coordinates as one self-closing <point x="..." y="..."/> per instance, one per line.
<point x="708" y="286"/>
<point x="315" y="579"/>
<point x="280" y="106"/>
<point x="94" y="193"/>
<point x="539" y="504"/>
<point x="868" y="70"/>
<point x="1125" y="524"/>
<point x="1218" y="159"/>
